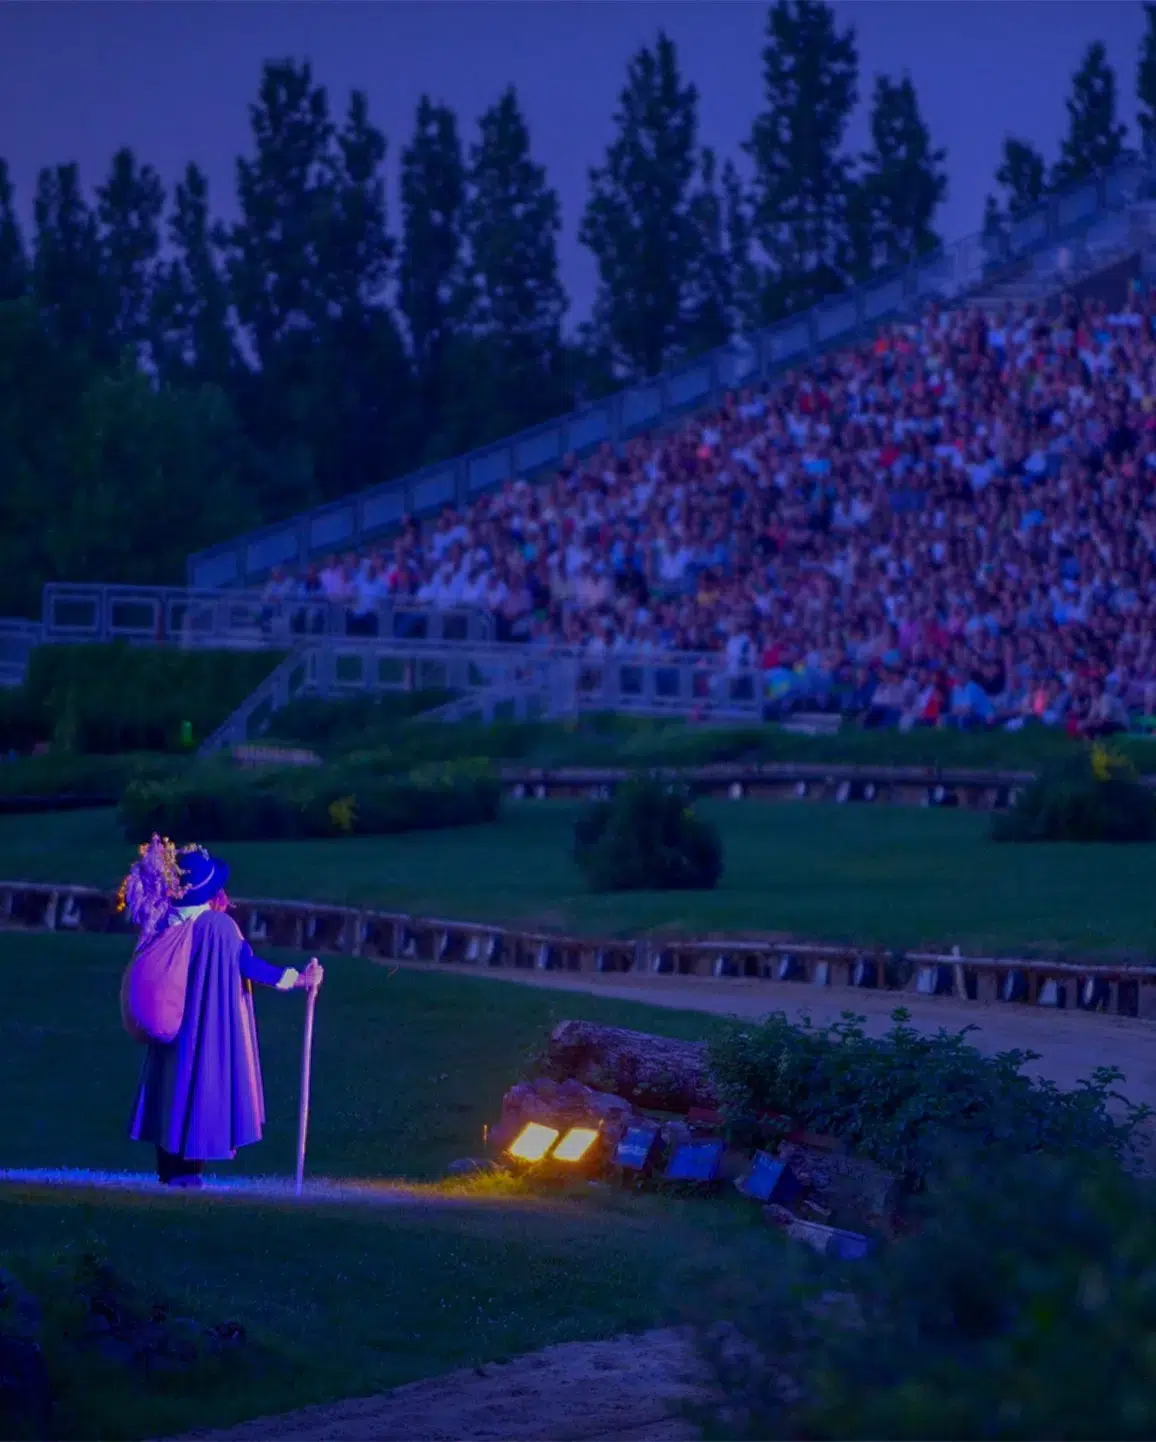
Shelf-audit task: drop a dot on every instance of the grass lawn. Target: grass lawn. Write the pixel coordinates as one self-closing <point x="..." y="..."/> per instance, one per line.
<point x="340" y="1302"/>
<point x="899" y="876"/>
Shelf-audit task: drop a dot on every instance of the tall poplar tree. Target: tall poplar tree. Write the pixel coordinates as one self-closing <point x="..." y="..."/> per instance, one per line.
<point x="903" y="180"/>
<point x="512" y="220"/>
<point x="1095" y="138"/>
<point x="637" y="222"/>
<point x="802" y="173"/>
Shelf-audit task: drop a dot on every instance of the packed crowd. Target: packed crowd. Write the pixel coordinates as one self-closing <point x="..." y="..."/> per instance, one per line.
<point x="955" y="522"/>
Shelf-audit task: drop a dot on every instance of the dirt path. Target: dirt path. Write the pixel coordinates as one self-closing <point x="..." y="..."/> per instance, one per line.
<point x="625" y="1390"/>
<point x="1071" y="1045"/>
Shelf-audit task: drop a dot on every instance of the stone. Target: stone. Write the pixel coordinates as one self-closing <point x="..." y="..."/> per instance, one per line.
<point x="846" y="1186"/>
<point x="561" y="1106"/>
<point x="468" y="1166"/>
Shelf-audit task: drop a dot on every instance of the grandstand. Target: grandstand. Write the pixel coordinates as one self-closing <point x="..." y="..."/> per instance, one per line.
<point x="942" y="513"/>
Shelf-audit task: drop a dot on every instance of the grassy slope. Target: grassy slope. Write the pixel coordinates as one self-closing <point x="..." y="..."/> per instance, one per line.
<point x="406" y="1072"/>
<point x="900" y="876"/>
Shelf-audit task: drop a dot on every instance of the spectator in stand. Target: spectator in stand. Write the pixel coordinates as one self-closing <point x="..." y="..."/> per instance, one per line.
<point x="960" y="515"/>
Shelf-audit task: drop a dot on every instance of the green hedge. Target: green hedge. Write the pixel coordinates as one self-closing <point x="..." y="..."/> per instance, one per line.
<point x="215" y="803"/>
<point x="356" y="721"/>
<point x="609" y="739"/>
<point x="121" y="698"/>
<point x="1093" y="797"/>
<point x="68" y="774"/>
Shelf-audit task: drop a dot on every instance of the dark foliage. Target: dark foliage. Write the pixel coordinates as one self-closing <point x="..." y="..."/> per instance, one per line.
<point x="647" y="838"/>
<point x="903" y="1098"/>
<point x="214" y="802"/>
<point x="1020" y="1306"/>
<point x="1095" y="796"/>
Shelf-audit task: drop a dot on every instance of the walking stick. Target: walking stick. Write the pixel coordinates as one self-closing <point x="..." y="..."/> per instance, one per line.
<point x="306" y="1065"/>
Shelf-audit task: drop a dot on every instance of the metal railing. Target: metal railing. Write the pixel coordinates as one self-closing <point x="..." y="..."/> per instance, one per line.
<point x="17" y="639"/>
<point x="234" y="619"/>
<point x="501" y="682"/>
<point x="950" y="273"/>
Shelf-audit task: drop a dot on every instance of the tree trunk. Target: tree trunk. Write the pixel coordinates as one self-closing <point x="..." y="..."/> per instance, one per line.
<point x="648" y="1071"/>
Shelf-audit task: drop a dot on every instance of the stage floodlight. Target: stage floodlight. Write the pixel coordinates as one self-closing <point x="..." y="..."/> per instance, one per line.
<point x="636" y="1149"/>
<point x="769" y="1180"/>
<point x="697" y="1161"/>
<point x="575" y="1144"/>
<point x="533" y="1142"/>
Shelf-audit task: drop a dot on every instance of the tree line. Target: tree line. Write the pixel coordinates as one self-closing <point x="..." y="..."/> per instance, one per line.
<point x="168" y="379"/>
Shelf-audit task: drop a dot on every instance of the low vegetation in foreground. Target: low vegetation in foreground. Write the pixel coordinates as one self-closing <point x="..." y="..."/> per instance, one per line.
<point x="1017" y="1281"/>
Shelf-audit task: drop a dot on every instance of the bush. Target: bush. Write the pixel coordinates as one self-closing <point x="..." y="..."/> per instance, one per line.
<point x="1094" y="797"/>
<point x="350" y="721"/>
<point x="903" y="1098"/>
<point x="215" y="803"/>
<point x="120" y="698"/>
<point x="63" y="773"/>
<point x="647" y="839"/>
<point x="1022" y="1307"/>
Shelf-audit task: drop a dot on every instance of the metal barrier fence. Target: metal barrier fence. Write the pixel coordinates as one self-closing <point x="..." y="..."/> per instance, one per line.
<point x="947" y="275"/>
<point x="513" y="683"/>
<point x="151" y="614"/>
<point x="1082" y="987"/>
<point x="17" y="639"/>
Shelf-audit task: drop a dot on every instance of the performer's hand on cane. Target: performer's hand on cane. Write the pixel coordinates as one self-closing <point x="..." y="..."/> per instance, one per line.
<point x="312" y="977"/>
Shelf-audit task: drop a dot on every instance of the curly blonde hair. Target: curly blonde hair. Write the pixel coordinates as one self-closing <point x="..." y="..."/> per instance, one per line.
<point x="153" y="885"/>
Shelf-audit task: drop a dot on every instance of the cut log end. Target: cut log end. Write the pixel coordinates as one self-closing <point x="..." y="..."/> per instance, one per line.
<point x="655" y="1072"/>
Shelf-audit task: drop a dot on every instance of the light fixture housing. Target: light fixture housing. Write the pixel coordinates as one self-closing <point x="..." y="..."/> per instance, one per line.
<point x="575" y="1145"/>
<point x="533" y="1142"/>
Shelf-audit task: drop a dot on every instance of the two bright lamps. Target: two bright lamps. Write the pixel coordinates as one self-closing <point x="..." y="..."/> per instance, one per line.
<point x="535" y="1142"/>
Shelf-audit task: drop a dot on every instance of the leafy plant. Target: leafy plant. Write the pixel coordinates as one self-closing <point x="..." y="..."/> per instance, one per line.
<point x="647" y="838"/>
<point x="906" y="1098"/>
<point x="1022" y="1305"/>
<point x="213" y="802"/>
<point x="1093" y="797"/>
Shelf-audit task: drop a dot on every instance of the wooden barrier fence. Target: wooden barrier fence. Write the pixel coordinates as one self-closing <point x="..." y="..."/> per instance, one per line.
<point x="1088" y="987"/>
<point x="884" y="785"/>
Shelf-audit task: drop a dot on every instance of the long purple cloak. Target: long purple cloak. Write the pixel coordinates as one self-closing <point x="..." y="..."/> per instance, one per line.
<point x="200" y="1096"/>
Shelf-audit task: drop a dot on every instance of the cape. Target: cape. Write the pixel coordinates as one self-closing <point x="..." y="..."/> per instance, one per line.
<point x="200" y="1096"/>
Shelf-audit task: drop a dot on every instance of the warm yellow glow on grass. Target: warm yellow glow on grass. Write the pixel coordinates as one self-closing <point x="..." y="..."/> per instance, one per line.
<point x="533" y="1142"/>
<point x="575" y="1144"/>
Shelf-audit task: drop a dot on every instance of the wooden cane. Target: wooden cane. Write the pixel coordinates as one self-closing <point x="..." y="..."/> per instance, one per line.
<point x="306" y="1065"/>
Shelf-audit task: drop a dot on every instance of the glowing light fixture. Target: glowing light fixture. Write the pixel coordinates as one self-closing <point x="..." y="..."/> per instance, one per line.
<point x="575" y="1144"/>
<point x="533" y="1142"/>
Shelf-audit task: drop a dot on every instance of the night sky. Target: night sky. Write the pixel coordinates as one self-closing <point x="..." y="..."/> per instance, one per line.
<point x="173" y="80"/>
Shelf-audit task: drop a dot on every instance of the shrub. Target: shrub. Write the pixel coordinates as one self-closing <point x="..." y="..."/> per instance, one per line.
<point x="1093" y="797"/>
<point x="904" y="1098"/>
<point x="647" y="838"/>
<point x="214" y="803"/>
<point x="337" y="724"/>
<point x="118" y="698"/>
<point x="60" y="774"/>
<point x="1022" y="1307"/>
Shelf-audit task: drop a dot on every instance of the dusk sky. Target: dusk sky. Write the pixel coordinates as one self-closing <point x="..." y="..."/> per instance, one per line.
<point x="173" y="80"/>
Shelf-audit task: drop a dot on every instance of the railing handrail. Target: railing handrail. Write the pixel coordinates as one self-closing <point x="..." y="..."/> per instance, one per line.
<point x="950" y="272"/>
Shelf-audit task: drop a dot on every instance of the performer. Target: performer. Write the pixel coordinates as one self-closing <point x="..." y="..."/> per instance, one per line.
<point x="200" y="1094"/>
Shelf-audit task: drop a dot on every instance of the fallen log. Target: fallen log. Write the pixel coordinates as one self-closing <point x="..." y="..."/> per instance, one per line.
<point x="654" y="1072"/>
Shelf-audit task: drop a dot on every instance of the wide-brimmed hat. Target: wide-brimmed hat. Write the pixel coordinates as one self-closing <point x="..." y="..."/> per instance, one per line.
<point x="202" y="876"/>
